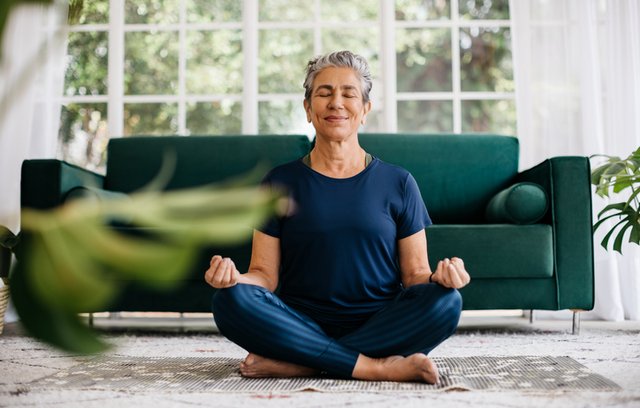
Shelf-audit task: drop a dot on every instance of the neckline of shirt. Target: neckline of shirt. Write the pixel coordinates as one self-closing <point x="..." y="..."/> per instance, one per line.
<point x="374" y="163"/>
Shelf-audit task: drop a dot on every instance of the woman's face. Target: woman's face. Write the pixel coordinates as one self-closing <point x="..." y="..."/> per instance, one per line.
<point x="336" y="109"/>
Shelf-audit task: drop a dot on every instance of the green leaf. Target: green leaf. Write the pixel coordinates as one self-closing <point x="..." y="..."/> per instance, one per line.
<point x="205" y="215"/>
<point x="633" y="195"/>
<point x="615" y="206"/>
<point x="72" y="262"/>
<point x="54" y="326"/>
<point x="635" y="234"/>
<point x="63" y="277"/>
<point x="7" y="238"/>
<point x="633" y="163"/>
<point x="617" y="244"/>
<point x="605" y="240"/>
<point x="622" y="184"/>
<point x="598" y="173"/>
<point x="151" y="261"/>
<point x="615" y="168"/>
<point x="602" y="220"/>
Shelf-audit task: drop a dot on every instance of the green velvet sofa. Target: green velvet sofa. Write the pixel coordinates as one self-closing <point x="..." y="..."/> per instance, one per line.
<point x="525" y="236"/>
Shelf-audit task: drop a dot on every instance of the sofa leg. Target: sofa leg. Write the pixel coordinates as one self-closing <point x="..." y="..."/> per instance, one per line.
<point x="531" y="318"/>
<point x="90" y="319"/>
<point x="576" y="322"/>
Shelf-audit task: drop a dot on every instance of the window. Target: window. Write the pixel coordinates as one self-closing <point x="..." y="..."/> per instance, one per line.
<point x="292" y="31"/>
<point x="194" y="67"/>
<point x="454" y="67"/>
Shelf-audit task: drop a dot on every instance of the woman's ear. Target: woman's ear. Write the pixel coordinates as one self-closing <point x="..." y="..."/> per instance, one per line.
<point x="365" y="111"/>
<point x="307" y="109"/>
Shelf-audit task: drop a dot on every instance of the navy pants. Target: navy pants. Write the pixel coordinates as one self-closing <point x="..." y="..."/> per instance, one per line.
<point x="417" y="320"/>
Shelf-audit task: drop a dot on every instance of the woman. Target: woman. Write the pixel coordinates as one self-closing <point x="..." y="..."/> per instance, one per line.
<point x="357" y="298"/>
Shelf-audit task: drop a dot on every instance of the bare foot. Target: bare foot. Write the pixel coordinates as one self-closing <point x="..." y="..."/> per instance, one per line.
<point x="256" y="366"/>
<point x="416" y="367"/>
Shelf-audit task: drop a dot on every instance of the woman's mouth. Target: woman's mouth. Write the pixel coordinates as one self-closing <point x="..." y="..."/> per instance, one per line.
<point x="334" y="118"/>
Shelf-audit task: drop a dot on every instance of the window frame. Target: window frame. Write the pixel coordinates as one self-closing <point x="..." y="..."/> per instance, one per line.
<point x="387" y="97"/>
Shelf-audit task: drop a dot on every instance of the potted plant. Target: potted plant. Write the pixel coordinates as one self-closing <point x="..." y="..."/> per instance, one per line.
<point x="619" y="176"/>
<point x="8" y="241"/>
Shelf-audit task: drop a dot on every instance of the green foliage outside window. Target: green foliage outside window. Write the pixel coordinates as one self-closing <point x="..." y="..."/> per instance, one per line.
<point x="151" y="11"/>
<point x="214" y="62"/>
<point x="86" y="125"/>
<point x="150" y="119"/>
<point x="209" y="11"/>
<point x="423" y="60"/>
<point x="485" y="59"/>
<point x="283" y="56"/>
<point x="214" y="118"/>
<point x="285" y="10"/>
<point x="94" y="12"/>
<point x="151" y="63"/>
<point x="87" y="62"/>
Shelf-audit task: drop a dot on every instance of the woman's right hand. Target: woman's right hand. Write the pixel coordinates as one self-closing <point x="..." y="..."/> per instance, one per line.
<point x="222" y="273"/>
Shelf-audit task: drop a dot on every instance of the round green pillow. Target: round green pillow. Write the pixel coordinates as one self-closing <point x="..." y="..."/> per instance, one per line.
<point x="522" y="203"/>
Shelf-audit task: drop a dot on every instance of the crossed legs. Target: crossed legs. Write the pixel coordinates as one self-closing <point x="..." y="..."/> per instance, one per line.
<point x="391" y="345"/>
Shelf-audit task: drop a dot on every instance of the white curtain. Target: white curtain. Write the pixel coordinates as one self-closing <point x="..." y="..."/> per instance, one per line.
<point x="31" y="83"/>
<point x="577" y="74"/>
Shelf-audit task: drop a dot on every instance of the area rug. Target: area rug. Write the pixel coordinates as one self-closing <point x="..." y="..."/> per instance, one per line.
<point x="221" y="375"/>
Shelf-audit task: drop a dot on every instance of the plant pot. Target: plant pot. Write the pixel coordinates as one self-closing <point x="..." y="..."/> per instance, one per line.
<point x="5" y="264"/>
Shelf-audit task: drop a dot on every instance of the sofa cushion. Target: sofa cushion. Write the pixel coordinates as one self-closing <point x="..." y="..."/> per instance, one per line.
<point x="457" y="174"/>
<point x="495" y="250"/>
<point x="132" y="162"/>
<point x="522" y="203"/>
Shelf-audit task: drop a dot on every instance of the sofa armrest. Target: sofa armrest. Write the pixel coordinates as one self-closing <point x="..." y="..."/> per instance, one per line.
<point x="566" y="181"/>
<point x="45" y="183"/>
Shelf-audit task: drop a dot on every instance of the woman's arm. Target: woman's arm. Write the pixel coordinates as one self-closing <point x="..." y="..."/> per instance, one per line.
<point x="413" y="259"/>
<point x="263" y="269"/>
<point x="415" y="269"/>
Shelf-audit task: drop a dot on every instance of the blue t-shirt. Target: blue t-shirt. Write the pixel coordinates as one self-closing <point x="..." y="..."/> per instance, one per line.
<point x="338" y="240"/>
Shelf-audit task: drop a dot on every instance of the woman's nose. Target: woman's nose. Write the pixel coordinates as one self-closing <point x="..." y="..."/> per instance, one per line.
<point x="335" y="102"/>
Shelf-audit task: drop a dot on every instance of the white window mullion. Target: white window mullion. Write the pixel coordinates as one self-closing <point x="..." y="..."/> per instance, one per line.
<point x="389" y="71"/>
<point x="64" y="100"/>
<point x="317" y="30"/>
<point x="115" y="80"/>
<point x="279" y="97"/>
<point x="84" y="28"/>
<point x="455" y="66"/>
<point x="182" y="70"/>
<point x="250" y="66"/>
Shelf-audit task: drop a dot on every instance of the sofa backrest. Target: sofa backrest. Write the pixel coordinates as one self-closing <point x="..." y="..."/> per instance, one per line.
<point x="132" y="162"/>
<point x="457" y="173"/>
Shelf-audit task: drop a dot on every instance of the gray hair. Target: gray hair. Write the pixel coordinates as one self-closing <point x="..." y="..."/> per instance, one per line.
<point x="339" y="59"/>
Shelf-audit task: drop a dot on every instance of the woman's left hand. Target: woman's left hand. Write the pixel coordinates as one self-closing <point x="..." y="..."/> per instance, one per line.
<point x="451" y="273"/>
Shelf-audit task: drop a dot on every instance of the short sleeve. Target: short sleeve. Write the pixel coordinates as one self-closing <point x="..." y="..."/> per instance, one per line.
<point x="273" y="225"/>
<point x="414" y="216"/>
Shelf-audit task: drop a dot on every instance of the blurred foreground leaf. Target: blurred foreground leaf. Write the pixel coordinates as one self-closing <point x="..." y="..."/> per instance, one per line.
<point x="54" y="326"/>
<point x="71" y="260"/>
